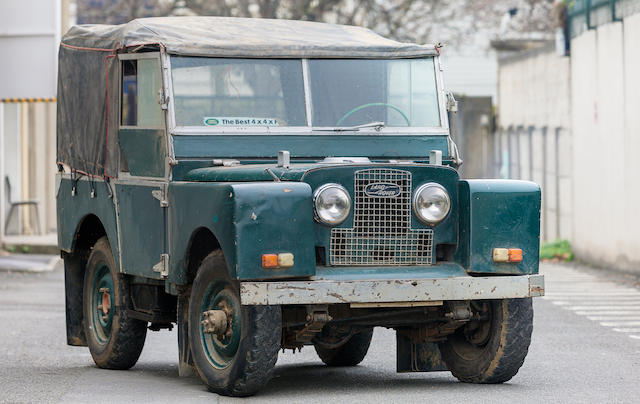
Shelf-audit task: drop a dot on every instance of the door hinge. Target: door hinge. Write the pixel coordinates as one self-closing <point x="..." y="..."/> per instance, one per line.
<point x="163" y="266"/>
<point x="161" y="195"/>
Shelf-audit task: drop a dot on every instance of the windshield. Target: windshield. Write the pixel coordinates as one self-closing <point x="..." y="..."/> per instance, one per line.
<point x="238" y="92"/>
<point x="271" y="92"/>
<point x="356" y="92"/>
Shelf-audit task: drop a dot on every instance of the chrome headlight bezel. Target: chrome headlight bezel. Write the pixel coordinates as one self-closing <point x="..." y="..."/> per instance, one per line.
<point x="431" y="221"/>
<point x="318" y="193"/>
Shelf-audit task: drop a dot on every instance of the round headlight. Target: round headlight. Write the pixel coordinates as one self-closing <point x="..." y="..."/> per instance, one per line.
<point x="431" y="203"/>
<point x="332" y="204"/>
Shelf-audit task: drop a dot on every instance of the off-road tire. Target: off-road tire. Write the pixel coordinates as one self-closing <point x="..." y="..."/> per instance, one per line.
<point x="127" y="335"/>
<point x="501" y="357"/>
<point x="349" y="354"/>
<point x="261" y="331"/>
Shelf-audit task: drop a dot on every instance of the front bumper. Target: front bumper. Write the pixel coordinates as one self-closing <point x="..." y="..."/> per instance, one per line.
<point x="391" y="291"/>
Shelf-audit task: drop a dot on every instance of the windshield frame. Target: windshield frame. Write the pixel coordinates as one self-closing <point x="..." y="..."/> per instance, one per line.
<point x="443" y="129"/>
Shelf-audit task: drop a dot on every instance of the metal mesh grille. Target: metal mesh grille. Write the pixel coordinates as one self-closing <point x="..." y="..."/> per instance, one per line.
<point x="382" y="233"/>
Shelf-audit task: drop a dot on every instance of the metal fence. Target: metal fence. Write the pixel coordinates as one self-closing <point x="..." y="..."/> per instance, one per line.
<point x="588" y="14"/>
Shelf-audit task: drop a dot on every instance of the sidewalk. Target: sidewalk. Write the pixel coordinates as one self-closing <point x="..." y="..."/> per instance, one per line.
<point x="27" y="262"/>
<point x="41" y="244"/>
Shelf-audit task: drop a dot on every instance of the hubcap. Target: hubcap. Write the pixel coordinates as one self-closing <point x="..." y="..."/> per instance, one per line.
<point x="221" y="347"/>
<point x="102" y="304"/>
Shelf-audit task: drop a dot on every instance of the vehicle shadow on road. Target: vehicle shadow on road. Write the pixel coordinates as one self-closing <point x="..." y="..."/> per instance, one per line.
<point x="301" y="378"/>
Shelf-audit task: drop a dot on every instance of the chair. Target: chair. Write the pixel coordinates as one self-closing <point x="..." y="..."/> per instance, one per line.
<point x="13" y="205"/>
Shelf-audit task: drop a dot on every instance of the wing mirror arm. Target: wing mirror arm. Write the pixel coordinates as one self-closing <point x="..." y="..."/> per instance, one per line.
<point x="452" y="103"/>
<point x="454" y="153"/>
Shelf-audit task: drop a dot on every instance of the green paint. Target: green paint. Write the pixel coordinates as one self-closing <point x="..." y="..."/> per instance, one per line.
<point x="254" y="219"/>
<point x="144" y="151"/>
<point x="71" y="210"/>
<point x="142" y="232"/>
<point x="499" y="214"/>
<point x="445" y="232"/>
<point x="304" y="146"/>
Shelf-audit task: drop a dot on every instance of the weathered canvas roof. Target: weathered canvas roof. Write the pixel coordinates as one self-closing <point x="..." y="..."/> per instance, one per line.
<point x="244" y="37"/>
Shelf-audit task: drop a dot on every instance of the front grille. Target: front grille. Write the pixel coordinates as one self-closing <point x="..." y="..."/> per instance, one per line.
<point x="382" y="233"/>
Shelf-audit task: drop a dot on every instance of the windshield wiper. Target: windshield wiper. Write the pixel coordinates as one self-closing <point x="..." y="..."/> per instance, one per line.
<point x="376" y="125"/>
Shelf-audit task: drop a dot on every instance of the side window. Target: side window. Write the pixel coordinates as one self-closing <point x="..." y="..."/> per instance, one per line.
<point x="140" y="87"/>
<point x="129" y="93"/>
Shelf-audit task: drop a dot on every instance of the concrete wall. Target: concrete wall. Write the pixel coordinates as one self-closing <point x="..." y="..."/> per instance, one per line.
<point x="533" y="140"/>
<point x="470" y="71"/>
<point x="605" y="90"/>
<point x="471" y="130"/>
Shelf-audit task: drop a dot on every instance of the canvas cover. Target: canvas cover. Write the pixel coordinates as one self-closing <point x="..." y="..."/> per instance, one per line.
<point x="88" y="72"/>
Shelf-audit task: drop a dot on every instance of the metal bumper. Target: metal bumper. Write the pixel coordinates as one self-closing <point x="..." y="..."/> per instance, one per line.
<point x="391" y="291"/>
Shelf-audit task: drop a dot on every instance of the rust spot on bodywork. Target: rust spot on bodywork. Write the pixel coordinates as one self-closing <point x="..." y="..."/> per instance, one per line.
<point x="536" y="289"/>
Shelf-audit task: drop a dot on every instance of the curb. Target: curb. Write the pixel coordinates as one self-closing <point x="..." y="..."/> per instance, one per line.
<point x="31" y="248"/>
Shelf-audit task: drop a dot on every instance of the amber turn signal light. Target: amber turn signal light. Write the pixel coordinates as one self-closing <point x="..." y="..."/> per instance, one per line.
<point x="282" y="260"/>
<point x="507" y="255"/>
<point x="269" y="260"/>
<point x="515" y="255"/>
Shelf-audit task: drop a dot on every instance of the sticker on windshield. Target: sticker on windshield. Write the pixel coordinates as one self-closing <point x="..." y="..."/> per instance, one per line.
<point x="240" y="121"/>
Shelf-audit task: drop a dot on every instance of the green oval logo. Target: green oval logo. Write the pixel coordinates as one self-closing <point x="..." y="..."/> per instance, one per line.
<point x="211" y="121"/>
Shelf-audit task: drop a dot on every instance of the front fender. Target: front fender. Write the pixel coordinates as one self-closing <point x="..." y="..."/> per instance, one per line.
<point x="248" y="219"/>
<point x="498" y="214"/>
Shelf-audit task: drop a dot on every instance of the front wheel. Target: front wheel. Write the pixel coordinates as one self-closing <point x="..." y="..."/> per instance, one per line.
<point x="234" y="347"/>
<point x="492" y="348"/>
<point x="115" y="340"/>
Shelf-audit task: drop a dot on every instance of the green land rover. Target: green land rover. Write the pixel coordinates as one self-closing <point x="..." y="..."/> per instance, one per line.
<point x="272" y="184"/>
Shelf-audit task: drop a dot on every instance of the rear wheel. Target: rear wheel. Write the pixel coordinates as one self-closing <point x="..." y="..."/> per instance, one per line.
<point x="350" y="353"/>
<point x="493" y="348"/>
<point x="115" y="340"/>
<point x="234" y="347"/>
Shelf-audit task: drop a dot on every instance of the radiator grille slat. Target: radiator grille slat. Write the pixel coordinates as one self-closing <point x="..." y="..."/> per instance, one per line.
<point x="382" y="233"/>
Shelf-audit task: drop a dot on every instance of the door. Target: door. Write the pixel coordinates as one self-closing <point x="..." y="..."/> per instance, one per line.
<point x="141" y="185"/>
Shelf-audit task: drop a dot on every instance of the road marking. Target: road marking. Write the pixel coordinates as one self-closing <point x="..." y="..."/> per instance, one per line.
<point x="620" y="323"/>
<point x="609" y="313"/>
<point x="604" y="308"/>
<point x="614" y="318"/>
<point x="612" y="305"/>
<point x="593" y="303"/>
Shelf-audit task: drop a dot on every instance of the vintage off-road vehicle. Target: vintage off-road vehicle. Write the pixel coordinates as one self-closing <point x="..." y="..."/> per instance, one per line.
<point x="269" y="184"/>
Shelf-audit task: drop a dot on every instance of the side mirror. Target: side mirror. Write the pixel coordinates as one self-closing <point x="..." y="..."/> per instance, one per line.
<point x="452" y="104"/>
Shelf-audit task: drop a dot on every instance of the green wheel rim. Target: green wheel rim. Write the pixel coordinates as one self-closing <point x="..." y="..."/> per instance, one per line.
<point x="373" y="104"/>
<point x="220" y="351"/>
<point x="102" y="304"/>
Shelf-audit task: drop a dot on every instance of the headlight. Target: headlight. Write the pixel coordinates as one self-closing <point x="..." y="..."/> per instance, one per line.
<point x="431" y="203"/>
<point x="332" y="204"/>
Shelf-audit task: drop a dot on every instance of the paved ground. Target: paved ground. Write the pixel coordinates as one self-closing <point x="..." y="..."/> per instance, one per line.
<point x="28" y="262"/>
<point x="585" y="349"/>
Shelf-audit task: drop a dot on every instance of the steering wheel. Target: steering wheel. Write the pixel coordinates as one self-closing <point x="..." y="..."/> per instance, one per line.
<point x="373" y="104"/>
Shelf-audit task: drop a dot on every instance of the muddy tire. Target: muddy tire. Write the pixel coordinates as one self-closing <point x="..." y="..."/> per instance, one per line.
<point x="115" y="340"/>
<point x="349" y="354"/>
<point x="491" y="351"/>
<point x="240" y="362"/>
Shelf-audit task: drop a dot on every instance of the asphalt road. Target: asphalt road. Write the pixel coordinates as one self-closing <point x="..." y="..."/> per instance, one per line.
<point x="586" y="348"/>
